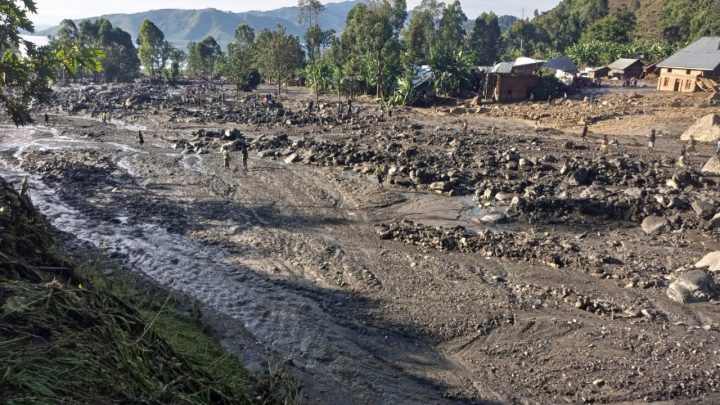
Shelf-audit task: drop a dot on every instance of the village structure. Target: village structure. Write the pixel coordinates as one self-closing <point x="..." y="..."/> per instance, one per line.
<point x="694" y="68"/>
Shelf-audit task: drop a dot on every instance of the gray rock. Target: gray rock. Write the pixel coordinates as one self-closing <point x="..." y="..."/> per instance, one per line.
<point x="493" y="218"/>
<point x="654" y="225"/>
<point x="715" y="221"/>
<point x="703" y="209"/>
<point x="634" y="192"/>
<point x="440" y="186"/>
<point x="693" y="286"/>
<point x="579" y="177"/>
<point x="712" y="166"/>
<point x="292" y="158"/>
<point x="711" y="261"/>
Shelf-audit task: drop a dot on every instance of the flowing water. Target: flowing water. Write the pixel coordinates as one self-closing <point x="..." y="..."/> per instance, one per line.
<point x="333" y="361"/>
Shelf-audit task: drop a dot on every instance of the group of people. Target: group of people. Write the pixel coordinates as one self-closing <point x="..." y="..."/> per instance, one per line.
<point x="243" y="152"/>
<point x="630" y="82"/>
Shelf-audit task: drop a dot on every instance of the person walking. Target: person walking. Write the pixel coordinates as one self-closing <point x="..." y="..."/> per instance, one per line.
<point x="691" y="144"/>
<point x="379" y="173"/>
<point x="652" y="139"/>
<point x="244" y="152"/>
<point x="226" y="157"/>
<point x="604" y="144"/>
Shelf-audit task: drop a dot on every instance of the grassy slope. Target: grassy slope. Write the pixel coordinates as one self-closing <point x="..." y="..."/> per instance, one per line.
<point x="67" y="338"/>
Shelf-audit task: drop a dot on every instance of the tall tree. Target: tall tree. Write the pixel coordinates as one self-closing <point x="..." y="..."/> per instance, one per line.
<point x="484" y="39"/>
<point x="373" y="32"/>
<point x="419" y="35"/>
<point x="241" y="56"/>
<point x="281" y="55"/>
<point x="451" y="30"/>
<point x="315" y="39"/>
<point x="210" y="54"/>
<point x="120" y="62"/>
<point x="614" y="27"/>
<point x="26" y="78"/>
<point x="153" y="49"/>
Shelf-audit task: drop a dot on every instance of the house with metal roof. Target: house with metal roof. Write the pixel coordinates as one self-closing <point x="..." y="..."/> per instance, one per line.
<point x="512" y="81"/>
<point x="563" y="64"/>
<point x="625" y="68"/>
<point x="695" y="67"/>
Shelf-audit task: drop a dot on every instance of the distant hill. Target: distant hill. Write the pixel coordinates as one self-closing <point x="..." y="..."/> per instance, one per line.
<point x="183" y="26"/>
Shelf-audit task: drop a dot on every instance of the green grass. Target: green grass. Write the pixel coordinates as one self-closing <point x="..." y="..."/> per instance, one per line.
<point x="70" y="335"/>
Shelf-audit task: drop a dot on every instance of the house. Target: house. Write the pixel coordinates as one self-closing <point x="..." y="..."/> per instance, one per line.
<point x="508" y="82"/>
<point x="564" y="68"/>
<point x="527" y="66"/>
<point x="626" y="68"/>
<point x="695" y="67"/>
<point x="563" y="64"/>
<point x="598" y="73"/>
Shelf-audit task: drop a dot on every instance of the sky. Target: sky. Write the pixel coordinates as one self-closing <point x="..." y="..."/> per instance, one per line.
<point x="51" y="12"/>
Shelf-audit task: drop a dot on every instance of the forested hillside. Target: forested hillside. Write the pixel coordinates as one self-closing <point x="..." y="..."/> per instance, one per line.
<point x="597" y="31"/>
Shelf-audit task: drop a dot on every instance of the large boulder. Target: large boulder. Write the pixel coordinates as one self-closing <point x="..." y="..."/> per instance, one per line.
<point x="693" y="286"/>
<point x="292" y="158"/>
<point x="703" y="209"/>
<point x="654" y="225"/>
<point x="711" y="261"/>
<point x="580" y="177"/>
<point x="706" y="129"/>
<point x="712" y="166"/>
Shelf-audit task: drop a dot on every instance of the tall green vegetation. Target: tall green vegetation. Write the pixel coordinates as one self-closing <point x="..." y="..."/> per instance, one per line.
<point x="205" y="58"/>
<point x="614" y="27"/>
<point x="26" y="78"/>
<point x="153" y="50"/>
<point x="316" y="40"/>
<point x="281" y="55"/>
<point x="372" y="37"/>
<point x="688" y="20"/>
<point x="241" y="59"/>
<point x="484" y="39"/>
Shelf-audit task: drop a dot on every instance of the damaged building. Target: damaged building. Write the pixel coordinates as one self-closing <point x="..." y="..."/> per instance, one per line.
<point x="512" y="81"/>
<point x="693" y="68"/>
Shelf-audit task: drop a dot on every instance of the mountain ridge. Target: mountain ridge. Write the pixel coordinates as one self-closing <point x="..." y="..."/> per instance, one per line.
<point x="183" y="25"/>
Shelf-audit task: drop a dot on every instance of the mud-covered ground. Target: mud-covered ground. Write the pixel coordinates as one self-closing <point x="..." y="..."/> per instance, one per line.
<point x="502" y="265"/>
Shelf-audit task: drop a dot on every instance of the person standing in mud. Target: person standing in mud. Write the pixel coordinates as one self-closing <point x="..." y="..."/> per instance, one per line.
<point x="226" y="157"/>
<point x="140" y="138"/>
<point x="652" y="139"/>
<point x="691" y="144"/>
<point x="584" y="134"/>
<point x="604" y="144"/>
<point x="244" y="152"/>
<point x="379" y="173"/>
<point x="682" y="160"/>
